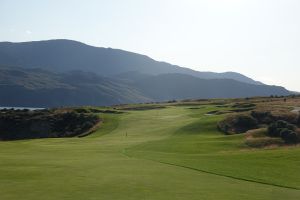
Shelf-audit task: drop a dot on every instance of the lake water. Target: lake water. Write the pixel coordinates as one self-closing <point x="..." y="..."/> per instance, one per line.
<point x="21" y="108"/>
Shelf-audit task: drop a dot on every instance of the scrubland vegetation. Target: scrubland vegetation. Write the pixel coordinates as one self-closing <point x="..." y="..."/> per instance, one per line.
<point x="279" y="119"/>
<point x="29" y="124"/>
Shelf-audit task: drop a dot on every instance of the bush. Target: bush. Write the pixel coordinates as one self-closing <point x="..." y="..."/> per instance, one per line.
<point x="237" y="124"/>
<point x="81" y="110"/>
<point x="27" y="124"/>
<point x="274" y="129"/>
<point x="289" y="136"/>
<point x="267" y="117"/>
<point x="284" y="130"/>
<point x="263" y="117"/>
<point x="286" y="116"/>
<point x="243" y="105"/>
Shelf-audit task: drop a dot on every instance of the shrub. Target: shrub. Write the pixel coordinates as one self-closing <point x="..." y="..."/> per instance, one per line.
<point x="87" y="125"/>
<point x="81" y="110"/>
<point x="289" y="136"/>
<point x="238" y="124"/>
<point x="267" y="117"/>
<point x="284" y="130"/>
<point x="26" y="124"/>
<point x="264" y="117"/>
<point x="286" y="116"/>
<point x="243" y="105"/>
<point x="274" y="129"/>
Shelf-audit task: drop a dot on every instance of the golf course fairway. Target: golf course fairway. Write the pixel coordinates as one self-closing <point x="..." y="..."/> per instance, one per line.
<point x="169" y="153"/>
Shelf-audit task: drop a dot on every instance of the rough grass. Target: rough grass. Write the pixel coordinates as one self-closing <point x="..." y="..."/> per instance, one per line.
<point x="257" y="138"/>
<point x="263" y="142"/>
<point x="171" y="153"/>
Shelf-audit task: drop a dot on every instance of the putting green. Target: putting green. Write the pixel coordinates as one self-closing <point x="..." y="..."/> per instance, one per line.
<point x="171" y="153"/>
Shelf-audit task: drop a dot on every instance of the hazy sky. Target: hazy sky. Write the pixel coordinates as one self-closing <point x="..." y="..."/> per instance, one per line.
<point x="259" y="38"/>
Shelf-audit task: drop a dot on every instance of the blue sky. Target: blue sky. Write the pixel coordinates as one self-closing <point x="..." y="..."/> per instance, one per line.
<point x="259" y="38"/>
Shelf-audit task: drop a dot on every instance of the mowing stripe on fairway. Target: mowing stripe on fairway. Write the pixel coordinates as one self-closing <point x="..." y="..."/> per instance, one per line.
<point x="212" y="173"/>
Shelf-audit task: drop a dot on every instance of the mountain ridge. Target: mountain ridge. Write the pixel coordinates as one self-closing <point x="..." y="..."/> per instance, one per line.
<point x="57" y="73"/>
<point x="104" y="61"/>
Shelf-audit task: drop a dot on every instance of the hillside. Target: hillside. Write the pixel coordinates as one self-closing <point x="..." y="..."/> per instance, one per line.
<point x="68" y="55"/>
<point x="40" y="88"/>
<point x="180" y="86"/>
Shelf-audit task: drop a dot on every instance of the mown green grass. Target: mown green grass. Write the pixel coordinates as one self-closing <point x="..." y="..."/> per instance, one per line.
<point x="200" y="146"/>
<point x="171" y="153"/>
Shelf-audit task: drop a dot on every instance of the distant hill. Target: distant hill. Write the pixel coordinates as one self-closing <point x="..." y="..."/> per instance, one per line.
<point x="180" y="86"/>
<point x="41" y="88"/>
<point x="68" y="55"/>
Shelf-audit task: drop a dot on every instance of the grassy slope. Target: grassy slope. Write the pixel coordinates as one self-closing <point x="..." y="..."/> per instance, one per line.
<point x="109" y="165"/>
<point x="200" y="146"/>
